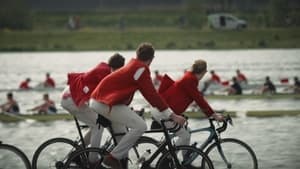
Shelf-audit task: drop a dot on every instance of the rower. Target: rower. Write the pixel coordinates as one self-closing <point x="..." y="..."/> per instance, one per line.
<point x="48" y="107"/>
<point x="11" y="105"/>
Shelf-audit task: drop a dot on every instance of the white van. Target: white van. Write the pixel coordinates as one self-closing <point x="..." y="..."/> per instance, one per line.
<point x="225" y="21"/>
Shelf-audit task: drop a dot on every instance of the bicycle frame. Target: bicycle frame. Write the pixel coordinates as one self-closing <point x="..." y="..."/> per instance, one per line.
<point x="166" y="143"/>
<point x="214" y="135"/>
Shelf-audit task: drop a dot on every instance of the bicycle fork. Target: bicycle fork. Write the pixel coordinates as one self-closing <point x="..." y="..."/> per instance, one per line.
<point x="221" y="152"/>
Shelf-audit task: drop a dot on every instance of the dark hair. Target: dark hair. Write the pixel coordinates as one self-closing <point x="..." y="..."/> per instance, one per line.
<point x="199" y="66"/>
<point x="145" y="52"/>
<point x="46" y="95"/>
<point x="9" y="94"/>
<point x="116" y="61"/>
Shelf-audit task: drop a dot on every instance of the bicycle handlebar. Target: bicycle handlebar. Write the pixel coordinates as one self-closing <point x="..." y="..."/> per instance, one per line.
<point x="227" y="120"/>
<point x="174" y="129"/>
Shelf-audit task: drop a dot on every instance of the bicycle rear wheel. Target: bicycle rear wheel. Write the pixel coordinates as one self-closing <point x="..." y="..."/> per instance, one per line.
<point x="189" y="157"/>
<point x="53" y="153"/>
<point x="11" y="157"/>
<point x="238" y="154"/>
<point x="80" y="159"/>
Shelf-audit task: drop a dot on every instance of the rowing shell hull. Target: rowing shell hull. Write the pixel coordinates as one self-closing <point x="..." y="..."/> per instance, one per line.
<point x="42" y="118"/>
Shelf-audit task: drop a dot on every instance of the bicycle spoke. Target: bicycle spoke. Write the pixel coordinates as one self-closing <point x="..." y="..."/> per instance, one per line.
<point x="188" y="158"/>
<point x="54" y="155"/>
<point x="237" y="155"/>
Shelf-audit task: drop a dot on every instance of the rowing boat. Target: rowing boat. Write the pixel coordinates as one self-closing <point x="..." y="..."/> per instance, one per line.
<point x="6" y="117"/>
<point x="254" y="96"/>
<point x="272" y="113"/>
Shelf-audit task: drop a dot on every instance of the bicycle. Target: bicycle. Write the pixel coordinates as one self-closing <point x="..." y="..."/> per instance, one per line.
<point x="226" y="153"/>
<point x="12" y="157"/>
<point x="54" y="152"/>
<point x="170" y="156"/>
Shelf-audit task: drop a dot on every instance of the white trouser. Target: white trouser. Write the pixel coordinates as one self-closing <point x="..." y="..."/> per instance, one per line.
<point x="121" y="117"/>
<point x="183" y="134"/>
<point x="87" y="116"/>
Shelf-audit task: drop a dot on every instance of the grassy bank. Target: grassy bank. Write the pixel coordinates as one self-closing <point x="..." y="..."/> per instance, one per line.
<point x="124" y="30"/>
<point x="162" y="38"/>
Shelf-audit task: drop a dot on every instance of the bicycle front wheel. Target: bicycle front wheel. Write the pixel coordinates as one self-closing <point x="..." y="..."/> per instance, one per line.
<point x="11" y="157"/>
<point x="53" y="153"/>
<point x="188" y="157"/>
<point x="143" y="144"/>
<point x="234" y="154"/>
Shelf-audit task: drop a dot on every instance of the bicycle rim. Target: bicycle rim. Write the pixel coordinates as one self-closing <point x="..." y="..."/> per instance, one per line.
<point x="238" y="154"/>
<point x="188" y="157"/>
<point x="11" y="157"/>
<point x="143" y="144"/>
<point x="80" y="159"/>
<point x="53" y="153"/>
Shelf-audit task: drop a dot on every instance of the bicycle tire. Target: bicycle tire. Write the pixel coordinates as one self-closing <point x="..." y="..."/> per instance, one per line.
<point x="6" y="158"/>
<point x="143" y="143"/>
<point x="239" y="154"/>
<point x="189" y="157"/>
<point x="44" y="159"/>
<point x="80" y="159"/>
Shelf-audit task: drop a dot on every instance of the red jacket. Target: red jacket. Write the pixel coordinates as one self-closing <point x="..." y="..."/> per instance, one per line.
<point x="215" y="78"/>
<point x="49" y="82"/>
<point x="180" y="94"/>
<point x="83" y="84"/>
<point x="241" y="77"/>
<point x="119" y="86"/>
<point x="24" y="85"/>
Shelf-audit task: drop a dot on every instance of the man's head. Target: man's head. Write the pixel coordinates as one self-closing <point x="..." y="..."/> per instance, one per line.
<point x="145" y="52"/>
<point x="9" y="95"/>
<point x="116" y="61"/>
<point x="46" y="96"/>
<point x="199" y="68"/>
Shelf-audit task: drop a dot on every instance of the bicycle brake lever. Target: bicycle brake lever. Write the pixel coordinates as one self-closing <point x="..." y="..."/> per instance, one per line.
<point x="229" y="119"/>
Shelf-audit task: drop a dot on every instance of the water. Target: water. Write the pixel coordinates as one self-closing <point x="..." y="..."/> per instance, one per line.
<point x="275" y="140"/>
<point x="256" y="64"/>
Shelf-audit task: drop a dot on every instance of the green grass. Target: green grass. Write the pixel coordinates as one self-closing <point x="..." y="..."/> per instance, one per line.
<point x="273" y="113"/>
<point x="162" y="38"/>
<point x="101" y="31"/>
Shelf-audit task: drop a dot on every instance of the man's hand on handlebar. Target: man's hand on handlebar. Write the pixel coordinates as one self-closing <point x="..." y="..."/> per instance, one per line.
<point x="218" y="117"/>
<point x="178" y="119"/>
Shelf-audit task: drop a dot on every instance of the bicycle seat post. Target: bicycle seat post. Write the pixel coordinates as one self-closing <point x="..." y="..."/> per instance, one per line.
<point x="79" y="131"/>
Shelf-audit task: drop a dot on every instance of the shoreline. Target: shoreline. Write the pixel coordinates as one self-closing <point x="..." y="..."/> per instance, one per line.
<point x="7" y="118"/>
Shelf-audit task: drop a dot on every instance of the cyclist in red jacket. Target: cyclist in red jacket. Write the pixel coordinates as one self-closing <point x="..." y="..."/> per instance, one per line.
<point x="181" y="93"/>
<point x="115" y="92"/>
<point x="76" y="95"/>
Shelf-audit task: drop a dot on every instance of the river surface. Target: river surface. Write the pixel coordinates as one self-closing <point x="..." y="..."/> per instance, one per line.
<point x="276" y="141"/>
<point x="255" y="64"/>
